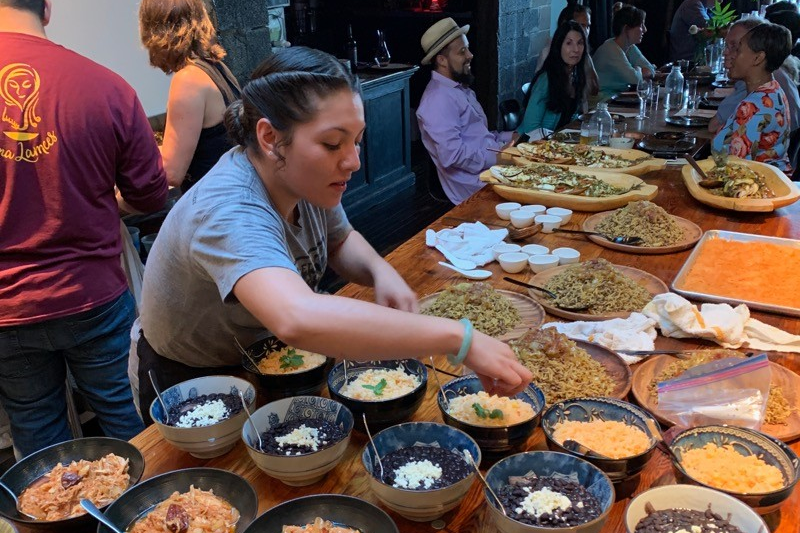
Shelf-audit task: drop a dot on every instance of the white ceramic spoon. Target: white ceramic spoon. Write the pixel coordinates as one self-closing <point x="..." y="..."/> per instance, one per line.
<point x="471" y="274"/>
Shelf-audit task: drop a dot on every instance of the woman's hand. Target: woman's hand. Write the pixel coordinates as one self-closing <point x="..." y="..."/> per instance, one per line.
<point x="496" y="366"/>
<point x="392" y="291"/>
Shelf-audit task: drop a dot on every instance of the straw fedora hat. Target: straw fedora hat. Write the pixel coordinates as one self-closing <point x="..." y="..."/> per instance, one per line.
<point x="440" y="35"/>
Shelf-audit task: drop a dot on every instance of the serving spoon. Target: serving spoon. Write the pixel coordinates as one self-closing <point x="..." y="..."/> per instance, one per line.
<point x="575" y="446"/>
<point x="622" y="239"/>
<point x="471" y="461"/>
<point x="160" y="398"/>
<point x="98" y="514"/>
<point x="469" y="274"/>
<point x="550" y="294"/>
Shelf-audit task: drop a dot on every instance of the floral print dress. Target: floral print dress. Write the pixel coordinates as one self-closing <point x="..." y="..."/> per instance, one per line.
<point x="759" y="129"/>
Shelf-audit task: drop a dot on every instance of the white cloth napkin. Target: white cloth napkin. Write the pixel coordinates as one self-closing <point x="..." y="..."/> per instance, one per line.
<point x="637" y="332"/>
<point x="471" y="240"/>
<point x="707" y="113"/>
<point x="730" y="327"/>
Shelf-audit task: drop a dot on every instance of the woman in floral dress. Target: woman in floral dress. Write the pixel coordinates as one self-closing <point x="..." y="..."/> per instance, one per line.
<point x="759" y="129"/>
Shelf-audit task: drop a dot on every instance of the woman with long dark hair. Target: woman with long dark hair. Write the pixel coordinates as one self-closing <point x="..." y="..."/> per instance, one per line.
<point x="557" y="90"/>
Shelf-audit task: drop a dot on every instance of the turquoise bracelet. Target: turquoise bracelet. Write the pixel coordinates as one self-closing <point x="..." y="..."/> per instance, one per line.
<point x="466" y="343"/>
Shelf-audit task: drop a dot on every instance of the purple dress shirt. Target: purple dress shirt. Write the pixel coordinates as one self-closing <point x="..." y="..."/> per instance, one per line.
<point x="456" y="134"/>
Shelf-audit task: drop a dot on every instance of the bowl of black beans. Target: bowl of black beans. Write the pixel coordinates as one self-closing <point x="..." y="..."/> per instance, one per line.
<point x="204" y="416"/>
<point x="301" y="438"/>
<point x="423" y="470"/>
<point x="690" y="508"/>
<point x="548" y="492"/>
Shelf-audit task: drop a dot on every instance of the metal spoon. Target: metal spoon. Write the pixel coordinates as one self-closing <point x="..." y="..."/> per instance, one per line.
<point x="622" y="239"/>
<point x="439" y="383"/>
<point x="246" y="354"/>
<point x="375" y="448"/>
<point x="662" y="445"/>
<point x="471" y="461"/>
<point x="250" y="419"/>
<point x="98" y="514"/>
<point x="550" y="294"/>
<point x="575" y="446"/>
<point x="158" y="393"/>
<point x="470" y="274"/>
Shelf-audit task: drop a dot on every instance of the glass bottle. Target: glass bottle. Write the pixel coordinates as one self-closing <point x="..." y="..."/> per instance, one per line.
<point x="602" y="123"/>
<point x="674" y="87"/>
<point x="382" y="55"/>
<point x="352" y="48"/>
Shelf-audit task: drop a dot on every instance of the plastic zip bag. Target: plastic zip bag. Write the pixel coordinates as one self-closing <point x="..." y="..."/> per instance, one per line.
<point x="727" y="391"/>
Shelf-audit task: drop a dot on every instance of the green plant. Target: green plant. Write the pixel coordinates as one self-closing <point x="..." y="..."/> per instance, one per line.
<point x="721" y="16"/>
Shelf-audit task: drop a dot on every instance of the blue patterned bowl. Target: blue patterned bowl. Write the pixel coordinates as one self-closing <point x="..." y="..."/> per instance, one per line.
<point x="29" y="469"/>
<point x="549" y="464"/>
<point x="298" y="470"/>
<point x="492" y="440"/>
<point x="342" y="510"/>
<point x="606" y="409"/>
<point x="419" y="505"/>
<point x="206" y="441"/>
<point x="747" y="442"/>
<point x="381" y="414"/>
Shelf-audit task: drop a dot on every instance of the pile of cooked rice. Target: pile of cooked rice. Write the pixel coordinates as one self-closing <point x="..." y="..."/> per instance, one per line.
<point x="397" y="382"/>
<point x="597" y="287"/>
<point x="279" y="362"/>
<point x="611" y="438"/>
<point x="195" y="511"/>
<point x="560" y="368"/>
<point x="645" y="220"/>
<point x="724" y="468"/>
<point x="489" y="311"/>
<point x="514" y="410"/>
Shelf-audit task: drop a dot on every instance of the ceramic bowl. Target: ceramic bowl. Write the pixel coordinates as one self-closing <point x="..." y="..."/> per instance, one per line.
<point x="564" y="214"/>
<point x="344" y="510"/>
<point x="30" y="468"/>
<point x="206" y="441"/>
<point x="548" y="464"/>
<point x="693" y="498"/>
<point x="381" y="413"/>
<point x="419" y="505"/>
<point x="308" y="468"/>
<point x="548" y="222"/>
<point x="492" y="440"/>
<point x="504" y="210"/>
<point x="504" y="248"/>
<point x="535" y="249"/>
<point x="567" y="256"/>
<point x="521" y="218"/>
<point x="276" y="386"/>
<point x="137" y="501"/>
<point x="747" y="442"/>
<point x="513" y="262"/>
<point x="621" y="142"/>
<point x="7" y="527"/>
<point x="540" y="263"/>
<point x="534" y="208"/>
<point x="607" y="409"/>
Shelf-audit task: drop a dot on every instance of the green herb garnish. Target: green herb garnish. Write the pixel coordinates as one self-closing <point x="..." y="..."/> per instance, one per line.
<point x="485" y="413"/>
<point x="292" y="359"/>
<point x="377" y="389"/>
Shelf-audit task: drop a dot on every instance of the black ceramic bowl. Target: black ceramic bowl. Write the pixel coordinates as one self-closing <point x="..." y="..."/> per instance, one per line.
<point x="137" y="501"/>
<point x="342" y="510"/>
<point x="276" y="386"/>
<point x="34" y="466"/>
<point x="381" y="414"/>
<point x="493" y="440"/>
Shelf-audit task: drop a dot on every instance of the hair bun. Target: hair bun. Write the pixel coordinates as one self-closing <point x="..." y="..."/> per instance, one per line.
<point x="233" y="122"/>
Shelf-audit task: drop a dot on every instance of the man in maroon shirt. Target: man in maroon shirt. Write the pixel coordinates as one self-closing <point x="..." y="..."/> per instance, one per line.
<point x="70" y="130"/>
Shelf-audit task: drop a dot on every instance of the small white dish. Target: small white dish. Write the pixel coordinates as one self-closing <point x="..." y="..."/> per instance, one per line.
<point x="540" y="263"/>
<point x="566" y="255"/>
<point x="513" y="262"/>
<point x="534" y="208"/>
<point x="504" y="248"/>
<point x="562" y="213"/>
<point x="535" y="249"/>
<point x="548" y="222"/>
<point x="621" y="142"/>
<point x="504" y="210"/>
<point x="522" y="219"/>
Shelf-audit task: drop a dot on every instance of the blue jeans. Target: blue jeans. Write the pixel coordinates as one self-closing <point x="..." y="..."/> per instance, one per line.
<point x="33" y="369"/>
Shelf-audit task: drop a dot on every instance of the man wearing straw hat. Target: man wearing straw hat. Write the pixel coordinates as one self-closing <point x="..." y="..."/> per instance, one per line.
<point x="452" y="123"/>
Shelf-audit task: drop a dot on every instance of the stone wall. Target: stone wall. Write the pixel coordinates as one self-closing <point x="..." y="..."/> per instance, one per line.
<point x="243" y="31"/>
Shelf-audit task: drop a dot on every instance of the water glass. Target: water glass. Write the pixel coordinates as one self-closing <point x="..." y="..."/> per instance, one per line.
<point x="691" y="94"/>
<point x="589" y="133"/>
<point x="643" y="90"/>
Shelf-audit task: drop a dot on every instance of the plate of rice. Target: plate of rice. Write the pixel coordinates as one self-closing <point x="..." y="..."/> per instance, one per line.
<point x="661" y="233"/>
<point x="602" y="289"/>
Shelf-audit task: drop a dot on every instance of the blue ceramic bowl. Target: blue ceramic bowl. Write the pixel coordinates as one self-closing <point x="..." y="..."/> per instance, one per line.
<point x="419" y="505"/>
<point x="132" y="505"/>
<point x="492" y="440"/>
<point x="548" y="464"/>
<point x="34" y="466"/>
<point x="342" y="510"/>
<point x="308" y="468"/>
<point x="747" y="442"/>
<point x="381" y="414"/>
<point x="276" y="386"/>
<point x="609" y="410"/>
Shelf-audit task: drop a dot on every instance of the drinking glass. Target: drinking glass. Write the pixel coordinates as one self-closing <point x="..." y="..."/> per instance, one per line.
<point x="691" y="94"/>
<point x="643" y="90"/>
<point x="382" y="55"/>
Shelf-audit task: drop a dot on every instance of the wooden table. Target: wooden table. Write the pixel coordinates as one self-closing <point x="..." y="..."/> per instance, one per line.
<point x="418" y="264"/>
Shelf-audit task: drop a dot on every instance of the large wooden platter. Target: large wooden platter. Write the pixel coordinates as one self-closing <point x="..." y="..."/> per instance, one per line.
<point x="691" y="234"/>
<point x="626" y="153"/>
<point x="648" y="281"/>
<point x="786" y="192"/>
<point x="644" y="191"/>
<point x="531" y="313"/>
<point x="781" y="377"/>
<point x="617" y="368"/>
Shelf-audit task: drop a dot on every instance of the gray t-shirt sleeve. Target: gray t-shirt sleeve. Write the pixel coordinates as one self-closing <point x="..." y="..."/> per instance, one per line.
<point x="338" y="227"/>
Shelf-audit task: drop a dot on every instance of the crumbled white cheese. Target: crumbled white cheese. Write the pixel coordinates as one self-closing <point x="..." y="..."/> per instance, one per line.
<point x="204" y="415"/>
<point x="414" y="473"/>
<point x="302" y="436"/>
<point x="543" y="501"/>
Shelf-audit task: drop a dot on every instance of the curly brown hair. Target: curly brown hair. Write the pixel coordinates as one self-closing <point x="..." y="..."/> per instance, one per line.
<point x="176" y="31"/>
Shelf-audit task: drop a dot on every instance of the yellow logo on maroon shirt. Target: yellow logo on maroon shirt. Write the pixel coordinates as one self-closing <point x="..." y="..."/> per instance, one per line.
<point x="19" y="91"/>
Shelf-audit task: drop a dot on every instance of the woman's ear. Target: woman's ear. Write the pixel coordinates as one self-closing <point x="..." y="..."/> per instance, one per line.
<point x="760" y="58"/>
<point x="267" y="137"/>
